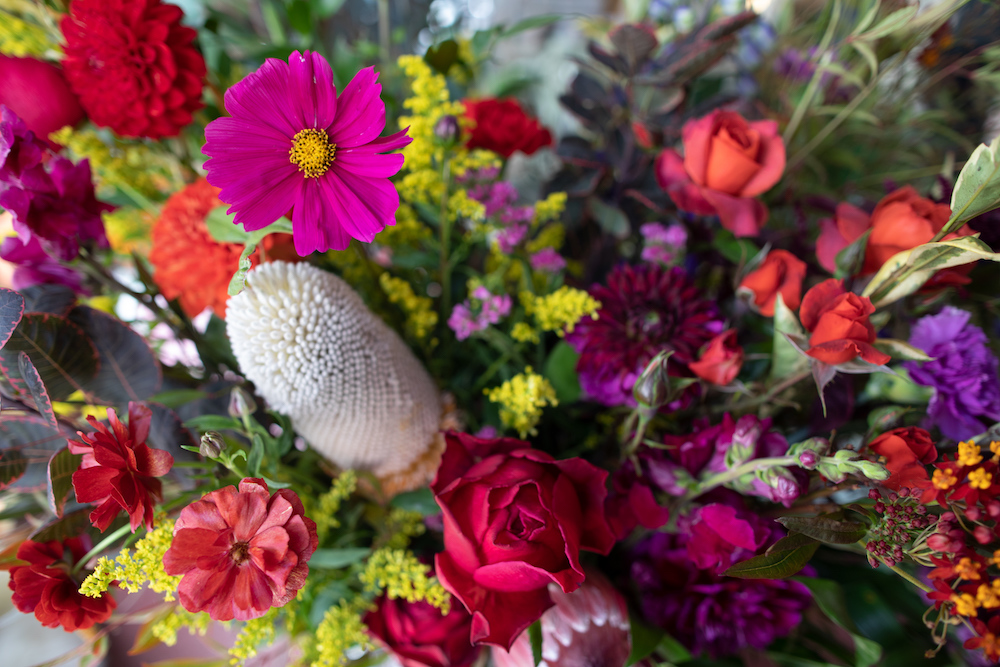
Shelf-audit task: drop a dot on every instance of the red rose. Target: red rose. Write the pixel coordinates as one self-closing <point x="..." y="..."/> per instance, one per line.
<point x="906" y="452"/>
<point x="503" y="127"/>
<point x="849" y="223"/>
<point x="838" y="322"/>
<point x="721" y="361"/>
<point x="780" y="273"/>
<point x="241" y="552"/>
<point x="727" y="161"/>
<point x="37" y="92"/>
<point x="515" y="520"/>
<point x="418" y="635"/>
<point x="44" y="586"/>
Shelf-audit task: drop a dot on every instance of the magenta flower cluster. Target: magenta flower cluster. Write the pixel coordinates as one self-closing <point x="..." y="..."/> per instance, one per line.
<point x="479" y="312"/>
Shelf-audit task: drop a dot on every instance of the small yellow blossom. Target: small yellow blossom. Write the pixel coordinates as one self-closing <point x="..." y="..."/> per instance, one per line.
<point x="524" y="333"/>
<point x="325" y="514"/>
<point x="19" y="38"/>
<point x="400" y="527"/>
<point x="944" y="479"/>
<point x="995" y="448"/>
<point x="969" y="453"/>
<point x="400" y="575"/>
<point x="460" y="205"/>
<point x="134" y="569"/>
<point x="967" y="569"/>
<point x="995" y="560"/>
<point x="255" y="632"/>
<point x="987" y="596"/>
<point x="408" y="230"/>
<point x="965" y="604"/>
<point x="980" y="479"/>
<point x="551" y="236"/>
<point x="128" y="229"/>
<point x="549" y="208"/>
<point x="165" y="629"/>
<point x="560" y="310"/>
<point x="420" y="316"/>
<point x="521" y="400"/>
<point x="340" y="629"/>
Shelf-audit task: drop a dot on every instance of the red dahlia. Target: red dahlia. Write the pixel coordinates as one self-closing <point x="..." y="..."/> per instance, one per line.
<point x="133" y="65"/>
<point x="119" y="469"/>
<point x="45" y="588"/>
<point x="241" y="552"/>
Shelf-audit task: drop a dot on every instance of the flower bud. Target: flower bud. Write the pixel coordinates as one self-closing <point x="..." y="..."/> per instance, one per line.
<point x="872" y="470"/>
<point x="652" y="389"/>
<point x="744" y="445"/>
<point x="241" y="403"/>
<point x="447" y="130"/>
<point x="211" y="445"/>
<point x="809" y="459"/>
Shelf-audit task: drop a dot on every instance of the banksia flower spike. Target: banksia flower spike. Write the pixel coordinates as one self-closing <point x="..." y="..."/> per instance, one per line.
<point x="352" y="387"/>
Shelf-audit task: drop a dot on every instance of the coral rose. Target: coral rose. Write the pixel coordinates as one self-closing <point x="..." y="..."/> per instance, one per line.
<point x="37" y="92"/>
<point x="727" y="161"/>
<point x="515" y="520"/>
<point x="419" y="635"/>
<point x="45" y="588"/>
<point x="838" y="232"/>
<point x="906" y="452"/>
<point x="838" y="322"/>
<point x="780" y="273"/>
<point x="721" y="361"/>
<point x="242" y="551"/>
<point x="503" y="127"/>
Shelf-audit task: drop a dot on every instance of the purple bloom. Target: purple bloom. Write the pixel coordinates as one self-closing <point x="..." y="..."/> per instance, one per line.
<point x="32" y="266"/>
<point x="963" y="373"/>
<point x="706" y="611"/>
<point x="644" y="309"/>
<point x="509" y="237"/>
<point x="291" y="143"/>
<point x="547" y="259"/>
<point x="475" y="315"/>
<point x="495" y="197"/>
<point x="662" y="244"/>
<point x="721" y="535"/>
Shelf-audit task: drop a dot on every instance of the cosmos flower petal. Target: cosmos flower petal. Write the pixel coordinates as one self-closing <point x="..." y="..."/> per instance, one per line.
<point x="309" y="222"/>
<point x="260" y="200"/>
<point x="313" y="95"/>
<point x="350" y="212"/>
<point x="263" y="95"/>
<point x="362" y="111"/>
<point x="369" y="165"/>
<point x="378" y="198"/>
<point x="224" y="135"/>
<point x="389" y="142"/>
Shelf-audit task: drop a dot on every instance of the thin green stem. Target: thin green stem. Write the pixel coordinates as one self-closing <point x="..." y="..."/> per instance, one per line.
<point x="445" y="227"/>
<point x="737" y="472"/>
<point x="803" y="106"/>
<point x="101" y="546"/>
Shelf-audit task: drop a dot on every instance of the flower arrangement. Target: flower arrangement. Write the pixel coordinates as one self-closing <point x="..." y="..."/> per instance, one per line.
<point x="365" y="358"/>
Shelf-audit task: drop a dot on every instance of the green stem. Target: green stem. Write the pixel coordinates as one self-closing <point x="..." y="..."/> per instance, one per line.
<point x="101" y="546"/>
<point x="445" y="227"/>
<point x="910" y="578"/>
<point x="803" y="106"/>
<point x="739" y="471"/>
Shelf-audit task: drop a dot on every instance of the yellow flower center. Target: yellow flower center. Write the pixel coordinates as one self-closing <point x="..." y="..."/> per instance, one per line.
<point x="967" y="569"/>
<point x="969" y="453"/>
<point x="944" y="479"/>
<point x="965" y="604"/>
<point x="312" y="152"/>
<point x="980" y="479"/>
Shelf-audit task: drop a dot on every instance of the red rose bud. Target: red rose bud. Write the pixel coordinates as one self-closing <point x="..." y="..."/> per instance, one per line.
<point x="589" y="626"/>
<point x="906" y="452"/>
<point x="37" y="92"/>
<point x="503" y="127"/>
<point x="780" y="273"/>
<point x="418" y="635"/>
<point x="515" y="521"/>
<point x="721" y="361"/>
<point x="727" y="162"/>
<point x="838" y="322"/>
<point x="45" y="588"/>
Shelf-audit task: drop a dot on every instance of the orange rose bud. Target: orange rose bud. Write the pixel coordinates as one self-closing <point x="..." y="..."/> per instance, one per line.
<point x="903" y="220"/>
<point x="781" y="273"/>
<point x="838" y="322"/>
<point x="721" y="361"/>
<point x="906" y="452"/>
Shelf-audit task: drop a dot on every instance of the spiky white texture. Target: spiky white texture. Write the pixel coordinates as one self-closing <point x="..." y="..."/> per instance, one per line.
<point x="351" y="386"/>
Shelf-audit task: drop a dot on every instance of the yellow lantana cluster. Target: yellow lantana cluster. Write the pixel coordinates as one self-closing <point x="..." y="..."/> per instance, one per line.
<point x="521" y="400"/>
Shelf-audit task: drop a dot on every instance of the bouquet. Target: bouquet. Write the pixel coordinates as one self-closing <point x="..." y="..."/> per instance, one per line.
<point x="330" y="347"/>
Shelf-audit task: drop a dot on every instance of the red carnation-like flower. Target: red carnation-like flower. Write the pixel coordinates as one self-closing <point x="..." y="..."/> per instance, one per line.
<point x="133" y="65"/>
<point x="119" y="469"/>
<point x="45" y="588"/>
<point x="503" y="127"/>
<point x="241" y="552"/>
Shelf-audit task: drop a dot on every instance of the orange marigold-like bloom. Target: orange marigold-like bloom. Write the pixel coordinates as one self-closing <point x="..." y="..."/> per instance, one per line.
<point x="192" y="266"/>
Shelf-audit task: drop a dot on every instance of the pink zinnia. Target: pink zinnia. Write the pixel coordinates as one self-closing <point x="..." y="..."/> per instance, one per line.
<point x="119" y="469"/>
<point x="292" y="144"/>
<point x="241" y="552"/>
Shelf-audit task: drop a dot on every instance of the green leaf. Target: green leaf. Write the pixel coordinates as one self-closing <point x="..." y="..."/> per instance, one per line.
<point x="539" y="21"/>
<point x="774" y="565"/>
<point x="906" y="272"/>
<point x="13" y="465"/>
<point x="736" y="250"/>
<point x="174" y="398"/>
<point x="11" y="309"/>
<point x="889" y="24"/>
<point x="239" y="280"/>
<point x="786" y="360"/>
<point x="829" y="596"/>
<point x="645" y="639"/>
<point x="884" y="418"/>
<point x="789" y="542"/>
<point x="256" y="456"/>
<point x="65" y="358"/>
<point x="610" y="218"/>
<point x="977" y="188"/>
<point x="214" y="423"/>
<point x="535" y="636"/>
<point x="900" y="350"/>
<point x="334" y="559"/>
<point x="560" y="370"/>
<point x="128" y="370"/>
<point x="867" y="19"/>
<point x="327" y="8"/>
<point x="868" y="53"/>
<point x="442" y="56"/>
<point x="824" y="529"/>
<point x="420" y="500"/>
<point x="37" y="389"/>
<point x="62" y="465"/>
<point x="850" y="259"/>
<point x="300" y="17"/>
<point x="222" y="228"/>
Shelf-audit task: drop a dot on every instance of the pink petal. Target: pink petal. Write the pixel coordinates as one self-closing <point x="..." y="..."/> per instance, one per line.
<point x="369" y="165"/>
<point x="361" y="111"/>
<point x="372" y="201"/>
<point x="188" y="546"/>
<point x="741" y="216"/>
<point x="511" y="577"/>
<point x="263" y="96"/>
<point x="251" y="592"/>
<point x="201" y="514"/>
<point x="697" y="136"/>
<point x="829" y="243"/>
<point x="262" y="196"/>
<point x="310" y="86"/>
<point x="139" y="419"/>
<point x="316" y="224"/>
<point x="390" y="142"/>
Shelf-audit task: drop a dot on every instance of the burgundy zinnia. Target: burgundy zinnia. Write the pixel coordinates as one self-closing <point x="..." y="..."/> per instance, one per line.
<point x="119" y="469"/>
<point x="45" y="588"/>
<point x="644" y="310"/>
<point x="241" y="552"/>
<point x="133" y="65"/>
<point x="292" y="143"/>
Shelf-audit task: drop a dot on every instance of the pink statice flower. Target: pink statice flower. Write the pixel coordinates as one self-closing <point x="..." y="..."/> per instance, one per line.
<point x="511" y="236"/>
<point x="548" y="260"/>
<point x="291" y="143"/>
<point x="479" y="312"/>
<point x="662" y="244"/>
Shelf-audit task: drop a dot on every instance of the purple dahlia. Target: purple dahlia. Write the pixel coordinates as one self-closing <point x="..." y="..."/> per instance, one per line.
<point x="644" y="309"/>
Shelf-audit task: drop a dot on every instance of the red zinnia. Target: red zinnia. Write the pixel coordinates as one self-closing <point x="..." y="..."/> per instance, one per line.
<point x="45" y="588"/>
<point x="241" y="552"/>
<point x="133" y="65"/>
<point x="119" y="469"/>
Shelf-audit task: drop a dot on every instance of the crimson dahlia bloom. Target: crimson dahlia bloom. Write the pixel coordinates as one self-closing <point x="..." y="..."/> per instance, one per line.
<point x="241" y="552"/>
<point x="133" y="65"/>
<point x="45" y="588"/>
<point x="292" y="143"/>
<point x="119" y="469"/>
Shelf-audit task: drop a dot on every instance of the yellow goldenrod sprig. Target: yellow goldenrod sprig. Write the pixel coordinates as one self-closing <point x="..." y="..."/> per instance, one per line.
<point x="399" y="574"/>
<point x="255" y="633"/>
<point x="560" y="310"/>
<point x="166" y="628"/>
<point x="521" y="400"/>
<point x="134" y="569"/>
<point x="340" y="629"/>
<point x="420" y="315"/>
<point x="19" y="38"/>
<point x="327" y="505"/>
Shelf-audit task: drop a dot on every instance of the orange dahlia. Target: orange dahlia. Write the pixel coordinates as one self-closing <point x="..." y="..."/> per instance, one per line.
<point x="192" y="266"/>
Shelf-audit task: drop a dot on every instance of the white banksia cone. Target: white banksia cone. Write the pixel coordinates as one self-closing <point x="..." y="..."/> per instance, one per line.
<point x="352" y="387"/>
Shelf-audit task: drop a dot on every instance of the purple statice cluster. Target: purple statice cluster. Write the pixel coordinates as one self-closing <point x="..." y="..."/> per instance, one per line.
<point x="499" y="198"/>
<point x="548" y="260"/>
<point x="479" y="312"/>
<point x="901" y="515"/>
<point x="681" y="587"/>
<point x="52" y="203"/>
<point x="663" y="244"/>
<point x="963" y="373"/>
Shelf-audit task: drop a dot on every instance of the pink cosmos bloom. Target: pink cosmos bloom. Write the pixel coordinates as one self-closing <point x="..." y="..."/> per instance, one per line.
<point x="241" y="552"/>
<point x="292" y="143"/>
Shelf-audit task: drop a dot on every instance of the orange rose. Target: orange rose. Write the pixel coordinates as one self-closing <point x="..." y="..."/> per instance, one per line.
<point x="727" y="161"/>
<point x="781" y="273"/>
<point x="838" y="322"/>
<point x="721" y="361"/>
<point x="906" y="452"/>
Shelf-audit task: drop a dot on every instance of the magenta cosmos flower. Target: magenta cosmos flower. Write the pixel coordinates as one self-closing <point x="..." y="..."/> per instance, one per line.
<point x="292" y="143"/>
